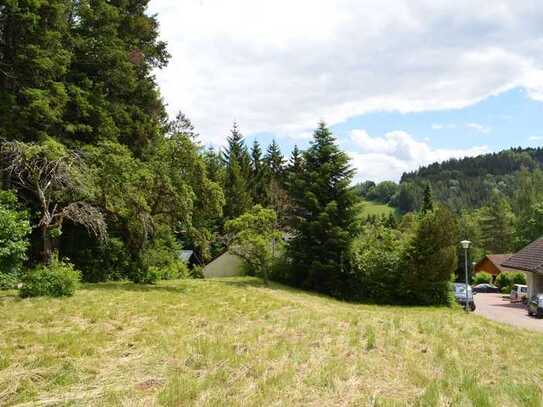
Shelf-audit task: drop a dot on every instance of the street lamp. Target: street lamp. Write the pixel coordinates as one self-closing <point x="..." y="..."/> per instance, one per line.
<point x="465" y="245"/>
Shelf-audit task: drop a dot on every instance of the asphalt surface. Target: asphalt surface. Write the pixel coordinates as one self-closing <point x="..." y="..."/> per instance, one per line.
<point x="500" y="309"/>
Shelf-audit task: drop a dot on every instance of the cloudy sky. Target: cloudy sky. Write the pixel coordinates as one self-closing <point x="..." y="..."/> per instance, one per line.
<point x="403" y="83"/>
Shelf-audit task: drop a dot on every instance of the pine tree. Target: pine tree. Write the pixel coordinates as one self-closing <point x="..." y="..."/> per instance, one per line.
<point x="237" y="174"/>
<point x="325" y="216"/>
<point x="427" y="202"/>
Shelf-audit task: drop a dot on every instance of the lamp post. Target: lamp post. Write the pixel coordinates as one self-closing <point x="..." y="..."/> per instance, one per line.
<point x="465" y="245"/>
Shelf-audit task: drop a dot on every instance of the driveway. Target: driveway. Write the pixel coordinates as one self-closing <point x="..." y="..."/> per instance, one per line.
<point x="498" y="308"/>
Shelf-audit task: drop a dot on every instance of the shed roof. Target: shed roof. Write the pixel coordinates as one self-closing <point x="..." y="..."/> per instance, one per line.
<point x="528" y="259"/>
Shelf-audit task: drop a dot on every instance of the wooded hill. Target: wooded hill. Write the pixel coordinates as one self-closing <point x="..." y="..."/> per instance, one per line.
<point x="468" y="183"/>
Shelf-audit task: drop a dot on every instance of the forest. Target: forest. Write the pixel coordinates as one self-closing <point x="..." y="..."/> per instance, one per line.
<point x="99" y="184"/>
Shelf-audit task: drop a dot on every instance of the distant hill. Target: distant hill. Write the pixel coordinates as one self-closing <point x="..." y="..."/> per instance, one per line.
<point x="468" y="182"/>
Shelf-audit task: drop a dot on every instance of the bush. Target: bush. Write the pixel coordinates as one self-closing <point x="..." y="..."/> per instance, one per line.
<point x="505" y="281"/>
<point x="57" y="279"/>
<point x="376" y="269"/>
<point x="159" y="260"/>
<point x="196" y="272"/>
<point x="482" y="278"/>
<point x="9" y="281"/>
<point x="14" y="229"/>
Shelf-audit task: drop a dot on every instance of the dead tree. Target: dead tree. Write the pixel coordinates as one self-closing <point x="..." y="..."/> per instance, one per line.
<point x="52" y="182"/>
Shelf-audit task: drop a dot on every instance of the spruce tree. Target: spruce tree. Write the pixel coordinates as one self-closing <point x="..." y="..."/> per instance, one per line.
<point x="258" y="178"/>
<point x="427" y="202"/>
<point x="324" y="222"/>
<point x="274" y="160"/>
<point x="236" y="182"/>
<point x="496" y="223"/>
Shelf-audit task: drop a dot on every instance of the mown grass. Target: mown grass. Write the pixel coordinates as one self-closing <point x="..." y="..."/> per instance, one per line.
<point x="235" y="342"/>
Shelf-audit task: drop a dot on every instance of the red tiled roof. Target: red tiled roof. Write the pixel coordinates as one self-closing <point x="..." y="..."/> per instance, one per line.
<point x="528" y="259"/>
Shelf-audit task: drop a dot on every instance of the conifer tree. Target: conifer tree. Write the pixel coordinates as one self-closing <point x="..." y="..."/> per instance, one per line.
<point x="258" y="179"/>
<point x="496" y="223"/>
<point x="274" y="160"/>
<point x="325" y="216"/>
<point x="427" y="202"/>
<point x="236" y="182"/>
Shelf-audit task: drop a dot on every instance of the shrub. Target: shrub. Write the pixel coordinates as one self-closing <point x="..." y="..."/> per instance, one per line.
<point x="505" y="281"/>
<point x="482" y="278"/>
<point x="174" y="270"/>
<point x="431" y="259"/>
<point x="14" y="229"/>
<point x="376" y="270"/>
<point x="9" y="281"/>
<point x="57" y="279"/>
<point x="159" y="260"/>
<point x="196" y="272"/>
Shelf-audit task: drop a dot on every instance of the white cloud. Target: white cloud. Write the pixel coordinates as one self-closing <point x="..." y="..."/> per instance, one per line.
<point x="535" y="138"/>
<point x="388" y="157"/>
<point x="282" y="65"/>
<point x="479" y="127"/>
<point x="440" y="126"/>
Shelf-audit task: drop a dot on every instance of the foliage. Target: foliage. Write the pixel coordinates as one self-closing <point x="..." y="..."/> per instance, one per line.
<point x="14" y="231"/>
<point x="482" y="278"/>
<point x="238" y="168"/>
<point x="57" y="279"/>
<point x="496" y="222"/>
<point x="196" y="272"/>
<point x="80" y="72"/>
<point x="505" y="281"/>
<point x="325" y="217"/>
<point x="383" y="192"/>
<point x="431" y="258"/>
<point x="254" y="238"/>
<point x="376" y="269"/>
<point x="9" y="281"/>
<point x="468" y="183"/>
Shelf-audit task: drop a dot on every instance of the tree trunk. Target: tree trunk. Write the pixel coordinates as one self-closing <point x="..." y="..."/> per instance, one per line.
<point x="47" y="245"/>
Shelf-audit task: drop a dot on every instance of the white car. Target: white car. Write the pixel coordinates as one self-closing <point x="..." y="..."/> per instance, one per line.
<point x="519" y="293"/>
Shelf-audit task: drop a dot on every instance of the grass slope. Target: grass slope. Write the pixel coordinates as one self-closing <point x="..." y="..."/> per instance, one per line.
<point x="367" y="208"/>
<point x="234" y="342"/>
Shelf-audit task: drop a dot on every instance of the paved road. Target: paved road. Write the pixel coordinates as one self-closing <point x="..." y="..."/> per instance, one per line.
<point x="494" y="306"/>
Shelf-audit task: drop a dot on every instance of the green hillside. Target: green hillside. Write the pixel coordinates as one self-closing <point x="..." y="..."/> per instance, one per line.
<point x="235" y="342"/>
<point x="369" y="208"/>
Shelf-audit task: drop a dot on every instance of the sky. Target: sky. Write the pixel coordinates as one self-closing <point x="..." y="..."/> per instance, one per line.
<point x="402" y="83"/>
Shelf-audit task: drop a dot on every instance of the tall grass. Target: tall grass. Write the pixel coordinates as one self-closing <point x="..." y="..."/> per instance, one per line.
<point x="236" y="342"/>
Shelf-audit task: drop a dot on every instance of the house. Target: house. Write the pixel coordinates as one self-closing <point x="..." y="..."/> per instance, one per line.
<point x="225" y="265"/>
<point x="529" y="260"/>
<point x="492" y="264"/>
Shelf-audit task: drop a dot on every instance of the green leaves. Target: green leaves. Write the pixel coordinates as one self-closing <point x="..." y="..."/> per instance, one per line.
<point x="14" y="231"/>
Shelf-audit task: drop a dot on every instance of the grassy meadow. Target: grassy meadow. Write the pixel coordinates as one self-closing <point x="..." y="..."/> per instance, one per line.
<point x="235" y="342"/>
<point x="369" y="208"/>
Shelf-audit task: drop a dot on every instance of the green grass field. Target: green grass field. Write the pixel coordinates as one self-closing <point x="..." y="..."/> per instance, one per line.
<point x="367" y="208"/>
<point x="230" y="342"/>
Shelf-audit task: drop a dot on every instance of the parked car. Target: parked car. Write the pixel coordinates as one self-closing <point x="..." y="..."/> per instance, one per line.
<point x="535" y="306"/>
<point x="460" y="295"/>
<point x="519" y="293"/>
<point x="485" y="288"/>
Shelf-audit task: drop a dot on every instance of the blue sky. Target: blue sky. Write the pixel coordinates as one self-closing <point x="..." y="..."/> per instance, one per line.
<point x="510" y="119"/>
<point x="402" y="83"/>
